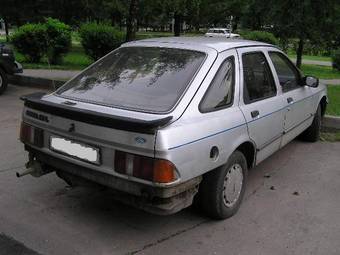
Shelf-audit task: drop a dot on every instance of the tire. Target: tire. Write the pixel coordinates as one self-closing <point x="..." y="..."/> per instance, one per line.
<point x="3" y="81"/>
<point x="312" y="134"/>
<point x="213" y="198"/>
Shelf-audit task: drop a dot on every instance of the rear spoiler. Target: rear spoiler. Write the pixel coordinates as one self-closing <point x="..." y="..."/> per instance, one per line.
<point x="34" y="101"/>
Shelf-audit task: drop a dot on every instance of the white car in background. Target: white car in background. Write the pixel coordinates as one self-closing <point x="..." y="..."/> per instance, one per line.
<point x="221" y="32"/>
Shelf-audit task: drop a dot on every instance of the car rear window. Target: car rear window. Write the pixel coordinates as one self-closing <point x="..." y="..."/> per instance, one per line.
<point x="150" y="79"/>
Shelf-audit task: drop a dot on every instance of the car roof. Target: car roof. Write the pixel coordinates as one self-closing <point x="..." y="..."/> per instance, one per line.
<point x="219" y="44"/>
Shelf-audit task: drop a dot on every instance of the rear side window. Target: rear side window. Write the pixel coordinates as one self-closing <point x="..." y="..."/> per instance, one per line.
<point x="220" y="93"/>
<point x="149" y="79"/>
<point x="257" y="78"/>
<point x="288" y="75"/>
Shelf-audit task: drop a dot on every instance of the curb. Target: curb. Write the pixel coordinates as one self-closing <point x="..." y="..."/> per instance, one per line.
<point x="22" y="80"/>
<point x="331" y="122"/>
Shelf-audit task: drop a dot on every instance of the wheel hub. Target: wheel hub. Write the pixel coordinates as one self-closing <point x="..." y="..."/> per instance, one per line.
<point x="0" y="81"/>
<point x="232" y="186"/>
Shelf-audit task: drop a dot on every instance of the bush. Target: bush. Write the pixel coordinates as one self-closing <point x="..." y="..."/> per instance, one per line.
<point x="336" y="59"/>
<point x="53" y="39"/>
<point x="99" y="39"/>
<point x="260" y="36"/>
<point x="59" y="40"/>
<point x="31" y="41"/>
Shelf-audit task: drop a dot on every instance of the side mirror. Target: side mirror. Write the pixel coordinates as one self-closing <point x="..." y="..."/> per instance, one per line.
<point x="310" y="81"/>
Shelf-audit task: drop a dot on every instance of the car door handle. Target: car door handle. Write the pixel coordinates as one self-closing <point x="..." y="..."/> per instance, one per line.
<point x="290" y="100"/>
<point x="255" y="113"/>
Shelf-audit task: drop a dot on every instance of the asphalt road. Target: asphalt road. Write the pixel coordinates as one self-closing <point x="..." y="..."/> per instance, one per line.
<point x="292" y="206"/>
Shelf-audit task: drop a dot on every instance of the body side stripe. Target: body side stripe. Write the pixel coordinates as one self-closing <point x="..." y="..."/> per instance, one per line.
<point x="226" y="130"/>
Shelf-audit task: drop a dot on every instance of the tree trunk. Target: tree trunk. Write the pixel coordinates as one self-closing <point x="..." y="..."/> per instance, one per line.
<point x="6" y="29"/>
<point x="113" y="20"/>
<point x="177" y="25"/>
<point x="131" y="27"/>
<point x="299" y="52"/>
<point x="197" y="27"/>
<point x="235" y="23"/>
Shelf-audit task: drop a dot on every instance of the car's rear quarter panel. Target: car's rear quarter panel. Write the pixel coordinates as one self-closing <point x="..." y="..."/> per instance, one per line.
<point x="188" y="141"/>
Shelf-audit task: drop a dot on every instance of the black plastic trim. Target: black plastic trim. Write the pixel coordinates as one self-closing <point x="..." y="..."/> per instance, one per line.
<point x="207" y="110"/>
<point x="35" y="101"/>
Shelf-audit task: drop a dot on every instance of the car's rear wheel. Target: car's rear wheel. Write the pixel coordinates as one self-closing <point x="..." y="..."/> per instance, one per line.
<point x="222" y="190"/>
<point x="312" y="134"/>
<point x="3" y="81"/>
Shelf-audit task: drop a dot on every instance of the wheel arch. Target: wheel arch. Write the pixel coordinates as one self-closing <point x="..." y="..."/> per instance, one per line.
<point x="323" y="104"/>
<point x="248" y="149"/>
<point x="3" y="68"/>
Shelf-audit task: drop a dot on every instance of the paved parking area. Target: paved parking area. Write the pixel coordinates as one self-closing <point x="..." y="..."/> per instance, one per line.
<point x="292" y="206"/>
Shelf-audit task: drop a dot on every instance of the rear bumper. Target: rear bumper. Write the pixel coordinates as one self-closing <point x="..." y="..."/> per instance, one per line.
<point x="158" y="200"/>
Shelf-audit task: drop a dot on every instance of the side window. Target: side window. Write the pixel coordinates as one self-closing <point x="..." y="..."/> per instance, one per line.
<point x="257" y="78"/>
<point x="220" y="92"/>
<point x="288" y="75"/>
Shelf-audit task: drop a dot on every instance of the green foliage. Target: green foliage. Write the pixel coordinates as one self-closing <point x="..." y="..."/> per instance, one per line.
<point x="52" y="38"/>
<point x="99" y="39"/>
<point x="322" y="72"/>
<point x="312" y="48"/>
<point x="31" y="41"/>
<point x="58" y="40"/>
<point x="75" y="59"/>
<point x="333" y="108"/>
<point x="336" y="59"/>
<point x="261" y="36"/>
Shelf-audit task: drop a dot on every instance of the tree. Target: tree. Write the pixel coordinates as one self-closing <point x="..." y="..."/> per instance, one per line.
<point x="117" y="11"/>
<point x="180" y="11"/>
<point x="304" y="20"/>
<point x="7" y="12"/>
<point x="131" y="26"/>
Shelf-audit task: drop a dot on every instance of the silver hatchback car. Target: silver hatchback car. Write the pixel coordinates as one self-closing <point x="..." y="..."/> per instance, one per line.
<point x="173" y="121"/>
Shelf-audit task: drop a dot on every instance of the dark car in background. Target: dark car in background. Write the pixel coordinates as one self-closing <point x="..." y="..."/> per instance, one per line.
<point x="8" y="66"/>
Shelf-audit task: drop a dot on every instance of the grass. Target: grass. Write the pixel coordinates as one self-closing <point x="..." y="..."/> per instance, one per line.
<point x="74" y="60"/>
<point x="146" y="35"/>
<point x="330" y="137"/>
<point x="322" y="72"/>
<point x="333" y="108"/>
<point x="315" y="58"/>
<point x="77" y="60"/>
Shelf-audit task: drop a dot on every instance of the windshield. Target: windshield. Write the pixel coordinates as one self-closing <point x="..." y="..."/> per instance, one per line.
<point x="142" y="78"/>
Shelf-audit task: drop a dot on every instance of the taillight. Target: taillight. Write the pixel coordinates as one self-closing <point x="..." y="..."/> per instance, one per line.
<point x="31" y="135"/>
<point x="26" y="133"/>
<point x="156" y="170"/>
<point x="163" y="171"/>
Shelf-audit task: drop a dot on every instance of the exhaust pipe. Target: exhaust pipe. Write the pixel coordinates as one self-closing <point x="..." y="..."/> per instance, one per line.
<point x="25" y="172"/>
<point x="34" y="168"/>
